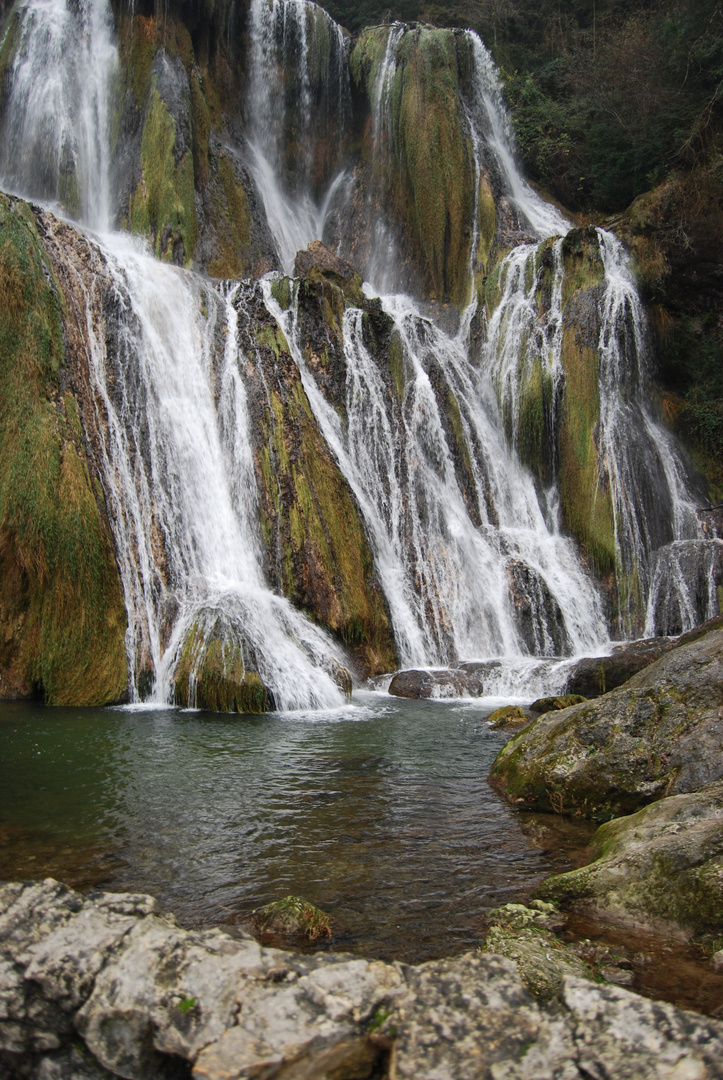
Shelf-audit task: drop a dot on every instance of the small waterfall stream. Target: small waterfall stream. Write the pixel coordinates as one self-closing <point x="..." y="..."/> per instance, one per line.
<point x="298" y="66"/>
<point x="466" y="542"/>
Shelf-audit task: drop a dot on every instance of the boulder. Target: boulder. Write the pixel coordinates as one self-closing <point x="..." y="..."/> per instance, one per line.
<point x="555" y="704"/>
<point x="596" y="675"/>
<point x="658" y="869"/>
<point x="292" y="917"/>
<point x="508" y="716"/>
<point x="660" y="734"/>
<point x="464" y="679"/>
<point x="318" y="259"/>
<point x="104" y="987"/>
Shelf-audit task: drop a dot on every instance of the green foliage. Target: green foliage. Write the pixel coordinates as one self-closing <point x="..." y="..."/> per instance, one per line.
<point x="61" y="606"/>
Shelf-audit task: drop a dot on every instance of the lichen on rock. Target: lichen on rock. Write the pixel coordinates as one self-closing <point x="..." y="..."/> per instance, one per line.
<point x="659" y="869"/>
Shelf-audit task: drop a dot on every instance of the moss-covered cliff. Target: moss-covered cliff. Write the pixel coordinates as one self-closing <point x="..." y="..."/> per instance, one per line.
<point x="423" y="163"/>
<point x="62" y="617"/>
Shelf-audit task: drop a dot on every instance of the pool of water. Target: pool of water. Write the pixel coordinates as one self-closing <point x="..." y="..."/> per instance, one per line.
<point x="380" y="813"/>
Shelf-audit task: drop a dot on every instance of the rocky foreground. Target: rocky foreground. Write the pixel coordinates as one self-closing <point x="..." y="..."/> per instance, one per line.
<point x="99" y="987"/>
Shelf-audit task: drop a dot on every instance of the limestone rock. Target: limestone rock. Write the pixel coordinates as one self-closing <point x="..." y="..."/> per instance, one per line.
<point x="526" y="935"/>
<point x="660" y="734"/>
<point x="661" y="868"/>
<point x="464" y="680"/>
<point x="159" y="1001"/>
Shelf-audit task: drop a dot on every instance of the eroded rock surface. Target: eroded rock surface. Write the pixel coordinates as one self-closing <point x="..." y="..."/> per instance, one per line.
<point x="100" y="987"/>
<point x="660" y="734"/>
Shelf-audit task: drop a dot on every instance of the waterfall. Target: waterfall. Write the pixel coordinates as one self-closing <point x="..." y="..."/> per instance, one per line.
<point x="298" y="103"/>
<point x="467" y="573"/>
<point x="179" y="466"/>
<point x="461" y="510"/>
<point x="54" y="137"/>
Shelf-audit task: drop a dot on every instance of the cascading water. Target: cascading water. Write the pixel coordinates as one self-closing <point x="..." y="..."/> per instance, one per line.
<point x="177" y="448"/>
<point x="170" y="400"/>
<point x="493" y="139"/>
<point x="298" y="102"/>
<point x="456" y="566"/>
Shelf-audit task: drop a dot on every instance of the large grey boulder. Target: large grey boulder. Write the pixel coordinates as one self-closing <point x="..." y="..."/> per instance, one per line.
<point x="660" y="869"/>
<point x="104" y="987"/>
<point x="659" y="734"/>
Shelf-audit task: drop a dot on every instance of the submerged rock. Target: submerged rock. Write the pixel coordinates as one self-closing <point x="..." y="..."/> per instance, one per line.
<point x="660" y="734"/>
<point x="293" y="917"/>
<point x="105" y="987"/>
<point x="661" y="868"/>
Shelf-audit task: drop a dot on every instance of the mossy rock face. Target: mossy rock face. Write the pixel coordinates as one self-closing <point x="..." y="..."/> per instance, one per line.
<point x="292" y="917"/>
<point x="62" y="616"/>
<point x="163" y="206"/>
<point x="586" y="502"/>
<point x="660" y="869"/>
<point x="212" y="674"/>
<point x="317" y="551"/>
<point x="659" y="734"/>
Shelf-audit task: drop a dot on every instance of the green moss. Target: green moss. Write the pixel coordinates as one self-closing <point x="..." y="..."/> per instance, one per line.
<point x="583" y="265"/>
<point x="430" y="178"/>
<point x="487" y="221"/>
<point x="9" y="48"/>
<point x="201" y="128"/>
<point x="586" y="501"/>
<point x="534" y="421"/>
<point x="62" y="613"/>
<point x="293" y="916"/>
<point x="164" y="203"/>
<point x="281" y="292"/>
<point x="232" y="225"/>
<point x="211" y="674"/>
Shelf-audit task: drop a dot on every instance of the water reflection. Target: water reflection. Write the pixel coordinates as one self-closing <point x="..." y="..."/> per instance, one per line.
<point x="380" y="813"/>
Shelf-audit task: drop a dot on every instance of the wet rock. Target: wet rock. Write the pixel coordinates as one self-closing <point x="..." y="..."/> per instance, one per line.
<point x="555" y="704"/>
<point x="318" y="256"/>
<point x="660" y="734"/>
<point x="292" y="917"/>
<point x="508" y="715"/>
<point x="658" y="869"/>
<point x="596" y="675"/>
<point x="526" y="935"/>
<point x="441" y="683"/>
<point x="159" y="1001"/>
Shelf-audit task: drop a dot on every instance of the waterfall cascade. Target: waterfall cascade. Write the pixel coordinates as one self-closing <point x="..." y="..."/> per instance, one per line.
<point x="463" y="515"/>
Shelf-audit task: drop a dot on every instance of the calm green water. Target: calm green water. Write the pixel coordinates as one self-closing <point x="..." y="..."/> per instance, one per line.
<point x="380" y="813"/>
